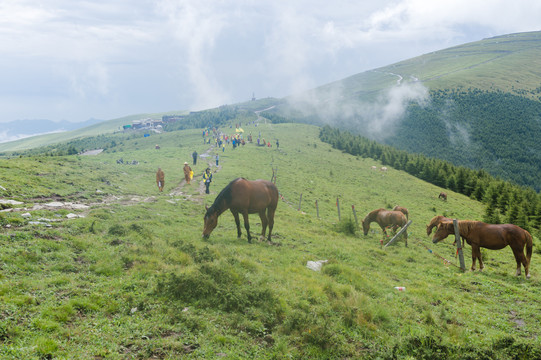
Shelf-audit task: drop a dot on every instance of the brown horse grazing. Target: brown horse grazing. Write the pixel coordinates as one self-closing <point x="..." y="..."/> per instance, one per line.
<point x="403" y="210"/>
<point x="436" y="220"/>
<point x="385" y="218"/>
<point x="493" y="237"/>
<point x="442" y="196"/>
<point x="160" y="179"/>
<point x="244" y="197"/>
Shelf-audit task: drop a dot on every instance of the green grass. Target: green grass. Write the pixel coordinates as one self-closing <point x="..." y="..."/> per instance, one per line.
<point x="134" y="279"/>
<point x="505" y="63"/>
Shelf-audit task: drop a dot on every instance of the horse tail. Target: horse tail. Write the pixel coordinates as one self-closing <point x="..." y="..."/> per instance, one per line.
<point x="529" y="246"/>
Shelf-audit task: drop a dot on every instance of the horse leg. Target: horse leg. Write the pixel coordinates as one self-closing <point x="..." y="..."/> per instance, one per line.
<point x="263" y="218"/>
<point x="481" y="265"/>
<point x="270" y="218"/>
<point x="384" y="230"/>
<point x="473" y="257"/>
<point x="521" y="260"/>
<point x="237" y="222"/>
<point x="247" y="225"/>
<point x="406" y="237"/>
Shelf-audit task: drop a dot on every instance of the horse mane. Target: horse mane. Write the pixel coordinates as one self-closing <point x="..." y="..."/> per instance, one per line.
<point x="435" y="220"/>
<point x="372" y="214"/>
<point x="465" y="226"/>
<point x="224" y="196"/>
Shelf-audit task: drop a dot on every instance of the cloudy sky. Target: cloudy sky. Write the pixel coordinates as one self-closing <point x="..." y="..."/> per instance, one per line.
<point x="75" y="60"/>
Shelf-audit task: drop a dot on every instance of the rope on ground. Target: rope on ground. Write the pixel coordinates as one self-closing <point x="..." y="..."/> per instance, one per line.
<point x="285" y="200"/>
<point x="438" y="255"/>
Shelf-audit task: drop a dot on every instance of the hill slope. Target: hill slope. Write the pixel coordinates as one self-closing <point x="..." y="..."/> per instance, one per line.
<point x="133" y="278"/>
<point x="476" y="105"/>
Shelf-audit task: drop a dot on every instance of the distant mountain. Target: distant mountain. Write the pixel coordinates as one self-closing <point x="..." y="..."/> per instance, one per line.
<point x="476" y="105"/>
<point x="19" y="129"/>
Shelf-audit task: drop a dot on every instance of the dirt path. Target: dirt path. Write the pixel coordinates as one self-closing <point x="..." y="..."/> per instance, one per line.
<point x="179" y="190"/>
<point x="55" y="203"/>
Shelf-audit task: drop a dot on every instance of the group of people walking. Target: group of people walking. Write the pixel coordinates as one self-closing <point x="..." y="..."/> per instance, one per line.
<point x="188" y="174"/>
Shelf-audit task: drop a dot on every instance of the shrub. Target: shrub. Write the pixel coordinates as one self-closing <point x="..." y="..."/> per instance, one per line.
<point x="218" y="285"/>
<point x="346" y="226"/>
<point x="118" y="230"/>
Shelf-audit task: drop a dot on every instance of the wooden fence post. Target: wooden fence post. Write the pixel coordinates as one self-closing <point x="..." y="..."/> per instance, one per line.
<point x="338" y="207"/>
<point x="399" y="233"/>
<point x="274" y="175"/>
<point x="355" y="215"/>
<point x="459" y="246"/>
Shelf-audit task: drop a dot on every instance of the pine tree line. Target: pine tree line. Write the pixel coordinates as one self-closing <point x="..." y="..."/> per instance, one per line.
<point x="505" y="202"/>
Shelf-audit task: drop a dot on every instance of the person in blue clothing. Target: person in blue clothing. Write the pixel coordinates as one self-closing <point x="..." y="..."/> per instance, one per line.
<point x="207" y="176"/>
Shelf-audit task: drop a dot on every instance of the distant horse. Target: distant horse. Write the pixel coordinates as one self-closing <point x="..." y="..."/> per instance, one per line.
<point x="160" y="179"/>
<point x="385" y="218"/>
<point x="442" y="196"/>
<point x="493" y="237"/>
<point x="403" y="210"/>
<point x="244" y="197"/>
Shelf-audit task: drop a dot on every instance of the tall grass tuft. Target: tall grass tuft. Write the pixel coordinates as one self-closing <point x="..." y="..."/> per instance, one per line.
<point x="346" y="226"/>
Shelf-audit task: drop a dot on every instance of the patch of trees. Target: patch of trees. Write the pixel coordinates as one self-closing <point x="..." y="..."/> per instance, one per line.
<point x="505" y="202"/>
<point x="212" y="118"/>
<point x="495" y="131"/>
<point x="490" y="130"/>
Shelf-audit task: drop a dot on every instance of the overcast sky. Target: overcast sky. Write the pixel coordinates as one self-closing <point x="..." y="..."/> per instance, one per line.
<point x="75" y="60"/>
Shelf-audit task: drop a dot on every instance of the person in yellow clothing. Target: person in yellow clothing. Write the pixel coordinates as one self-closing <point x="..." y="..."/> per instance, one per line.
<point x="188" y="173"/>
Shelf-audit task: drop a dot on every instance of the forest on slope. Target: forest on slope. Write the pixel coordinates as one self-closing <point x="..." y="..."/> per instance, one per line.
<point x="482" y="130"/>
<point x="494" y="131"/>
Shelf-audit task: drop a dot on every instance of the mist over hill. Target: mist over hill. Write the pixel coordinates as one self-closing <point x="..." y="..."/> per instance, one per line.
<point x="475" y="105"/>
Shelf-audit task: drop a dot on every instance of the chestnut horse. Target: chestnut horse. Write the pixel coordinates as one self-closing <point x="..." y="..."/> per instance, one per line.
<point x="403" y="210"/>
<point x="436" y="220"/>
<point x="491" y="236"/>
<point x="160" y="179"/>
<point x="442" y="196"/>
<point x="385" y="218"/>
<point x="244" y="197"/>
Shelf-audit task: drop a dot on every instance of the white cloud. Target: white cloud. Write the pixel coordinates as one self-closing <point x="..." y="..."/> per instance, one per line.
<point x="100" y="58"/>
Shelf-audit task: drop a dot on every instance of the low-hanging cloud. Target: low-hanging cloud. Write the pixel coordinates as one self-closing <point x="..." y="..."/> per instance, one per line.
<point x="376" y="119"/>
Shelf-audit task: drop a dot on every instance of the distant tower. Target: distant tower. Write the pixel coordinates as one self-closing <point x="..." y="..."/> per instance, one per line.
<point x="253" y="96"/>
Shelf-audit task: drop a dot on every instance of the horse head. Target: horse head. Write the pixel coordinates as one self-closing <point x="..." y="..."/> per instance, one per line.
<point x="366" y="225"/>
<point x="211" y="220"/>
<point x="445" y="228"/>
<point x="429" y="229"/>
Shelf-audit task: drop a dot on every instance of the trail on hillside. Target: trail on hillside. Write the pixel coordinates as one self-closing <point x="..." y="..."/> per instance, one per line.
<point x="179" y="190"/>
<point x="56" y="202"/>
<point x="100" y="199"/>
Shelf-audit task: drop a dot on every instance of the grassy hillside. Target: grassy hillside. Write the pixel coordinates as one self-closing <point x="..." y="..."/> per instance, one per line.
<point x="474" y="105"/>
<point x="112" y="126"/>
<point x="509" y="63"/>
<point x="132" y="277"/>
<point x="105" y="127"/>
